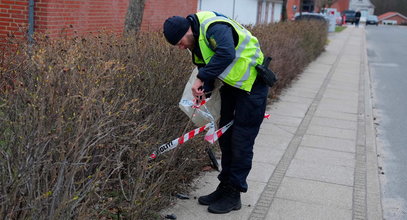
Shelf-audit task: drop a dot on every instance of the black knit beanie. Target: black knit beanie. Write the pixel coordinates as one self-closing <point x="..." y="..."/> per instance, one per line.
<point x="175" y="28"/>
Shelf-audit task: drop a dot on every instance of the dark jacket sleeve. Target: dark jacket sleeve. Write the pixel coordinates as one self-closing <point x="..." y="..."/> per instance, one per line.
<point x="220" y="37"/>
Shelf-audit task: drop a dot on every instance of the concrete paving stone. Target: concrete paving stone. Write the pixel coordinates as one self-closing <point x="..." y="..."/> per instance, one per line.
<point x="318" y="67"/>
<point x="348" y="78"/>
<point x="327" y="58"/>
<point x="305" y="94"/>
<point x="267" y="155"/>
<point x="344" y="86"/>
<point x="349" y="68"/>
<point x="283" y="209"/>
<point x="342" y="92"/>
<point x="345" y="79"/>
<point x="343" y="83"/>
<point x="331" y="132"/>
<point x="261" y="172"/>
<point x="296" y="99"/>
<point x="323" y="156"/>
<point x="289" y="109"/>
<point x="289" y="129"/>
<point x="334" y="123"/>
<point x="353" y="101"/>
<point x="335" y="96"/>
<point x="249" y="200"/>
<point x="191" y="209"/>
<point x="337" y="107"/>
<point x="315" y="192"/>
<point x="351" y="56"/>
<point x="303" y="90"/>
<point x="278" y="140"/>
<point x="281" y="120"/>
<point x="269" y="128"/>
<point x="309" y="86"/>
<point x="311" y="82"/>
<point x="346" y="75"/>
<point x="329" y="143"/>
<point x="314" y="171"/>
<point x="335" y="115"/>
<point x="311" y="77"/>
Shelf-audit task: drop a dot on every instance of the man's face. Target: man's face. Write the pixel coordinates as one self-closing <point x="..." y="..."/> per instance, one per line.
<point x="187" y="41"/>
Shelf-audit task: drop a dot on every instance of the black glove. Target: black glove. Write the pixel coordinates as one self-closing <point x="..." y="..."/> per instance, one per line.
<point x="265" y="73"/>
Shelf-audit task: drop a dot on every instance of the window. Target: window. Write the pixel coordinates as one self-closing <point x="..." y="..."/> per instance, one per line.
<point x="308" y="5"/>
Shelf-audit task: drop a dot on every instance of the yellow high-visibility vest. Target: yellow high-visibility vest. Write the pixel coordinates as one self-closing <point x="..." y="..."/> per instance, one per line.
<point x="241" y="73"/>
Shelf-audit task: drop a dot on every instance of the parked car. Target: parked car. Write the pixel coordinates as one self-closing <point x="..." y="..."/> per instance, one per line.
<point x="349" y="16"/>
<point x="372" y="19"/>
<point x="310" y="16"/>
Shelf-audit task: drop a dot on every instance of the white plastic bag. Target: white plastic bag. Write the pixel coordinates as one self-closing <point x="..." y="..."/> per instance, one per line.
<point x="209" y="112"/>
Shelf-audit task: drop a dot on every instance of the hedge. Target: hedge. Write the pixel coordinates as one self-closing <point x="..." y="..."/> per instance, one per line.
<point x="79" y="116"/>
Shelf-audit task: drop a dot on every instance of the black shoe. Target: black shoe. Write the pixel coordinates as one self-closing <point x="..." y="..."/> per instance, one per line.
<point x="213" y="197"/>
<point x="228" y="202"/>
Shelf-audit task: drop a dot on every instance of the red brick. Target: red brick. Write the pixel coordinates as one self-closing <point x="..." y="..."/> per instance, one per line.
<point x="19" y="16"/>
<point x="13" y="28"/>
<point x="4" y="15"/>
<point x="15" y="11"/>
<point x="8" y="2"/>
<point x="20" y="20"/>
<point x="18" y="7"/>
<point x="5" y="24"/>
<point x="6" y="19"/>
<point x="5" y="6"/>
<point x="17" y="2"/>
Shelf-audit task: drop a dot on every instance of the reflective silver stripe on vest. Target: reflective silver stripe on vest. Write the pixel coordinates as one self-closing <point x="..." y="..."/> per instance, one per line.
<point x="252" y="63"/>
<point x="238" y="54"/>
<point x="209" y="20"/>
<point x="239" y="50"/>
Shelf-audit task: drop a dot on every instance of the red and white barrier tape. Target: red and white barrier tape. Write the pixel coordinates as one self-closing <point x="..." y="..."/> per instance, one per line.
<point x="211" y="136"/>
<point x="174" y="143"/>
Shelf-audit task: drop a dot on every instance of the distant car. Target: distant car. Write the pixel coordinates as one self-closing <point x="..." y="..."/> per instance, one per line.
<point x="310" y="16"/>
<point x="372" y="19"/>
<point x="349" y="16"/>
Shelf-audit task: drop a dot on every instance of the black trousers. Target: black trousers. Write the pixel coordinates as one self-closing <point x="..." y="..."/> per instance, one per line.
<point x="247" y="111"/>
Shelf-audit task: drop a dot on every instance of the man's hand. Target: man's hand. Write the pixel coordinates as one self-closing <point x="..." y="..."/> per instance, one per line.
<point x="197" y="89"/>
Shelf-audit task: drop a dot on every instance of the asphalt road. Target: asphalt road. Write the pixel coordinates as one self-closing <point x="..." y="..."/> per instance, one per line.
<point x="387" y="56"/>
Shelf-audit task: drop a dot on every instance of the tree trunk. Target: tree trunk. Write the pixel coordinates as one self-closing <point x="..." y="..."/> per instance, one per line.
<point x="284" y="11"/>
<point x="134" y="15"/>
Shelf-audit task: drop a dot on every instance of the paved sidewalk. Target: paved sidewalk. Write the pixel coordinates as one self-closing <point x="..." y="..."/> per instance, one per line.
<point x="315" y="158"/>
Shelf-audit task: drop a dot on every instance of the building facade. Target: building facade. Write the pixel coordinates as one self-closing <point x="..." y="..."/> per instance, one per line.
<point x="364" y="6"/>
<point x="392" y="18"/>
<point x="294" y="6"/>
<point x="78" y="17"/>
<point x="246" y="11"/>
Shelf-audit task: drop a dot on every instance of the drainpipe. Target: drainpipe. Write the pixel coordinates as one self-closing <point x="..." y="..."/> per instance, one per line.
<point x="234" y="8"/>
<point x="30" y="21"/>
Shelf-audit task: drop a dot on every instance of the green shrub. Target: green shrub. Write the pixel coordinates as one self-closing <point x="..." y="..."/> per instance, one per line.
<point x="78" y="118"/>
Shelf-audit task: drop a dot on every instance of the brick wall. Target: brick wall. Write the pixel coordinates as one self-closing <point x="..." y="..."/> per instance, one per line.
<point x="398" y="18"/>
<point x="156" y="11"/>
<point x="290" y="11"/>
<point x="65" y="17"/>
<point x="341" y="5"/>
<point x="13" y="18"/>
